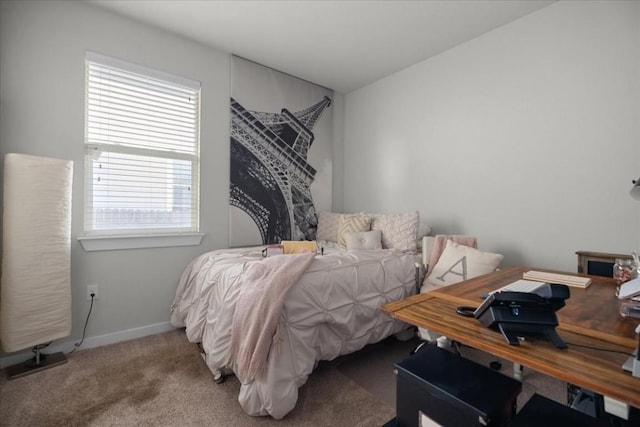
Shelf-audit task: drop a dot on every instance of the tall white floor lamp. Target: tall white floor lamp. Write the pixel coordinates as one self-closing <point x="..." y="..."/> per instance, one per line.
<point x="35" y="287"/>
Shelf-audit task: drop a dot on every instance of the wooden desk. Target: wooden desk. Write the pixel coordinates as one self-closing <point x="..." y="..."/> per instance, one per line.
<point x="590" y="318"/>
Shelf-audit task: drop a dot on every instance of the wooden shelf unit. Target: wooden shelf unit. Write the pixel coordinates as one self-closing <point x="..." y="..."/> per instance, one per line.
<point x="598" y="263"/>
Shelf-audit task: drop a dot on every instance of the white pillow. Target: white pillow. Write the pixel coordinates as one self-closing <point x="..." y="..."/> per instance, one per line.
<point x="399" y="231"/>
<point x="352" y="223"/>
<point x="363" y="240"/>
<point x="328" y="226"/>
<point x="459" y="262"/>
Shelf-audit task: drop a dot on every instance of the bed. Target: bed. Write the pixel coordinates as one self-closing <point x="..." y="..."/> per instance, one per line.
<point x="331" y="310"/>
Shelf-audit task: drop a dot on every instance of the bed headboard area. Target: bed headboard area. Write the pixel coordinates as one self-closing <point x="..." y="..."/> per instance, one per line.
<point x="402" y="231"/>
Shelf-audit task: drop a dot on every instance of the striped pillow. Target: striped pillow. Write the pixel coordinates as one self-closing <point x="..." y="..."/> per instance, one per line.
<point x="352" y="223"/>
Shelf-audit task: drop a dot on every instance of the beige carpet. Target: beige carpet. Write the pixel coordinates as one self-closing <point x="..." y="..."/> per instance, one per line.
<point x="161" y="380"/>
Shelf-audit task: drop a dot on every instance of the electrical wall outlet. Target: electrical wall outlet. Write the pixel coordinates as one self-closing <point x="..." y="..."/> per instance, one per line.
<point x="92" y="289"/>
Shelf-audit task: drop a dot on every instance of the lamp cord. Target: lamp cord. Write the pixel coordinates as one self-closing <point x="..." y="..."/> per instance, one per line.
<point x="84" y="330"/>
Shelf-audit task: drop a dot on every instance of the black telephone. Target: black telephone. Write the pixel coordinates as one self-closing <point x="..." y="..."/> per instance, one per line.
<point x="524" y="313"/>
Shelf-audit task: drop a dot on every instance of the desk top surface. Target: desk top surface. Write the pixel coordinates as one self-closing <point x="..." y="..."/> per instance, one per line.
<point x="590" y="318"/>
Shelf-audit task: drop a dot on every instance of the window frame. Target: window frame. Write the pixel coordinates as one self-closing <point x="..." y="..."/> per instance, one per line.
<point x="142" y="237"/>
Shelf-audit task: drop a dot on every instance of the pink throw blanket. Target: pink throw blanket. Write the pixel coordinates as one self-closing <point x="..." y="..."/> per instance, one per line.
<point x="253" y="330"/>
<point x="440" y="242"/>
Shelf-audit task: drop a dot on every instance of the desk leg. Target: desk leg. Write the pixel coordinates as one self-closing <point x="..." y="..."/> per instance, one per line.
<point x="517" y="371"/>
<point x="444" y="342"/>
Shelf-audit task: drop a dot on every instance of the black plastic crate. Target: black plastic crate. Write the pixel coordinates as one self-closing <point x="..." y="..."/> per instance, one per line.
<point x="452" y="391"/>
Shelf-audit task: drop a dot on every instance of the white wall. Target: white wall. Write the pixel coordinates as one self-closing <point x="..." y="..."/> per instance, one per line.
<point x="527" y="137"/>
<point x="42" y="49"/>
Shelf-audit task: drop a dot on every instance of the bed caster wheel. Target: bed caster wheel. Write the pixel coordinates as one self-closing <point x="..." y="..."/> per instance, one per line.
<point x="218" y="378"/>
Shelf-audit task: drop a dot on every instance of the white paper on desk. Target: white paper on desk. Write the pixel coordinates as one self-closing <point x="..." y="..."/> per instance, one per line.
<point x="629" y="289"/>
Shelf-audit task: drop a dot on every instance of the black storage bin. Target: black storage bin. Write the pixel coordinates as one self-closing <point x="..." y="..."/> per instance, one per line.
<point x="452" y="391"/>
<point x="540" y="411"/>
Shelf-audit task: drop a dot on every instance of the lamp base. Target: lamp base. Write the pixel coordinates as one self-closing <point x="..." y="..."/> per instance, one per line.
<point x="37" y="364"/>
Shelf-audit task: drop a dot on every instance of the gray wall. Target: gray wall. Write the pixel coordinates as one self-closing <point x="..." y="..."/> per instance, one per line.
<point x="42" y="49"/>
<point x="527" y="137"/>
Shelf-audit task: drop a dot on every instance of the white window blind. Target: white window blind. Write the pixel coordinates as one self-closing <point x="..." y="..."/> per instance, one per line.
<point x="141" y="150"/>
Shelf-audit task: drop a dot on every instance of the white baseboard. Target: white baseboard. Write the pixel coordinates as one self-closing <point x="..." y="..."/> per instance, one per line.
<point x="10" y="359"/>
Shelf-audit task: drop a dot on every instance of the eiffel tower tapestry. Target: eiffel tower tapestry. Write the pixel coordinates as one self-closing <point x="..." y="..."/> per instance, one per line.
<point x="281" y="155"/>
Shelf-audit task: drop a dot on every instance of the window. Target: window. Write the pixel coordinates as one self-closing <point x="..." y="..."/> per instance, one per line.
<point x="141" y="150"/>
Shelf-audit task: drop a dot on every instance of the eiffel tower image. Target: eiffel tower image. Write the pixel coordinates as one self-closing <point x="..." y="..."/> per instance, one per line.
<point x="270" y="177"/>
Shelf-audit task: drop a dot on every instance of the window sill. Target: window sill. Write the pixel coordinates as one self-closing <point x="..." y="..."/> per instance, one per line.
<point x="109" y="243"/>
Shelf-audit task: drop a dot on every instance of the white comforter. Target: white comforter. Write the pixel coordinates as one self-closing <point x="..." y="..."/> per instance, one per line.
<point x="331" y="310"/>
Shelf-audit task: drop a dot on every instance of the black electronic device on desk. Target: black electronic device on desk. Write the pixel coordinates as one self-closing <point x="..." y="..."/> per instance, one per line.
<point x="524" y="313"/>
